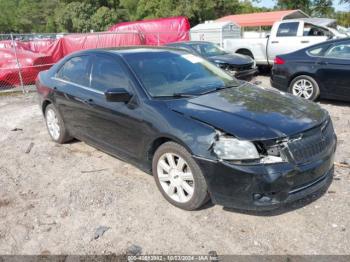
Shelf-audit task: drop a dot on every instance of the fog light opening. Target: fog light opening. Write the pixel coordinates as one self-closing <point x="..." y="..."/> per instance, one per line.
<point x="261" y="198"/>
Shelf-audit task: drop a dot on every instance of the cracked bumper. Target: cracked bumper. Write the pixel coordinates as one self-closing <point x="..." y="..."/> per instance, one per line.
<point x="265" y="186"/>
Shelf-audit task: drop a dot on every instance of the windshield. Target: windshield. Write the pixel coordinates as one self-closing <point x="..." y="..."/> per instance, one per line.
<point x="173" y="73"/>
<point x="208" y="49"/>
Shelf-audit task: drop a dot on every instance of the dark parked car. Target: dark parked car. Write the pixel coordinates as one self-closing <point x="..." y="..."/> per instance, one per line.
<point x="200" y="132"/>
<point x="322" y="70"/>
<point x="240" y="66"/>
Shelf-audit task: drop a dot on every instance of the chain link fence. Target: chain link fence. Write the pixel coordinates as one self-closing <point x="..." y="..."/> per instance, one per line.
<point x="23" y="56"/>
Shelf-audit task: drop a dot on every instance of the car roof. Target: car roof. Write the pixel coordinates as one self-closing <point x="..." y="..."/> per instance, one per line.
<point x="129" y="50"/>
<point x="189" y="43"/>
<point x="332" y="41"/>
<point x="329" y="42"/>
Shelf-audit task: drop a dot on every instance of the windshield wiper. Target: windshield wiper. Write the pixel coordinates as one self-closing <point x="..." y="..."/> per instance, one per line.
<point x="216" y="89"/>
<point x="176" y="95"/>
<point x="183" y="95"/>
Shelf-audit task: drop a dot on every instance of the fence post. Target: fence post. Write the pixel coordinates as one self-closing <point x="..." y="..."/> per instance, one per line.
<point x="98" y="39"/>
<point x="17" y="61"/>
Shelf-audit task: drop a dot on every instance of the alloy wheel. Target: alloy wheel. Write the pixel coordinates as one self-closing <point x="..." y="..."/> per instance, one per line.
<point x="303" y="88"/>
<point x="53" y="124"/>
<point x="175" y="177"/>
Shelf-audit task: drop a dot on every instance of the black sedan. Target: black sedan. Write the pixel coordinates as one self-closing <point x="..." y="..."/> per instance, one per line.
<point x="322" y="70"/>
<point x="200" y="132"/>
<point x="240" y="66"/>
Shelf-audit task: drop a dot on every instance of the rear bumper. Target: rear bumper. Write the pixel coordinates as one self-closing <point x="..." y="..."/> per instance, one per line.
<point x="265" y="187"/>
<point x="280" y="82"/>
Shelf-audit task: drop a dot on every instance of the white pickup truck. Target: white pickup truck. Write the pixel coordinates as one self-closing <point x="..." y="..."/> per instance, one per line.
<point x="286" y="36"/>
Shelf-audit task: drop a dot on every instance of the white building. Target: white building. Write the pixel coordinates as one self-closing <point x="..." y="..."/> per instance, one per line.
<point x="215" y="32"/>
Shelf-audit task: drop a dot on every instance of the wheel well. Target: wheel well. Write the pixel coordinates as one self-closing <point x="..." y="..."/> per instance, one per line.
<point x="300" y="74"/>
<point x="45" y="104"/>
<point x="244" y="51"/>
<point x="155" y="144"/>
<point x="160" y="141"/>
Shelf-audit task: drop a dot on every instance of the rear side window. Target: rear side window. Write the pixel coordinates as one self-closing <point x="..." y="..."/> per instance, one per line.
<point x="317" y="51"/>
<point x="108" y="73"/>
<point x="76" y="70"/>
<point x="288" y="29"/>
<point x="341" y="50"/>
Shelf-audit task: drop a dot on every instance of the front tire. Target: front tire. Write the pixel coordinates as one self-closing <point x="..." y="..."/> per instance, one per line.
<point x="305" y="87"/>
<point x="178" y="177"/>
<point x="55" y="125"/>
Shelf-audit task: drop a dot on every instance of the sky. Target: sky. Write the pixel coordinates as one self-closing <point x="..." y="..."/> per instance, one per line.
<point x="336" y="5"/>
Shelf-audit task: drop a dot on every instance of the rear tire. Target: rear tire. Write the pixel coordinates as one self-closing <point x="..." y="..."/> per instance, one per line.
<point x="55" y="125"/>
<point x="304" y="86"/>
<point x="178" y="177"/>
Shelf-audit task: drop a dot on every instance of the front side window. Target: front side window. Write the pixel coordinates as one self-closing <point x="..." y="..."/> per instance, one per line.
<point x="167" y="73"/>
<point x="312" y="30"/>
<point x="108" y="73"/>
<point x="288" y="29"/>
<point x="76" y="70"/>
<point x="339" y="51"/>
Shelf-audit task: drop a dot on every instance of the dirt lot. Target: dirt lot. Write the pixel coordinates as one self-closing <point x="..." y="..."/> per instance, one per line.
<point x="55" y="198"/>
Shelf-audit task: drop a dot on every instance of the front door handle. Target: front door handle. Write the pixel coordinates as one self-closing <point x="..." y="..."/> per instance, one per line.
<point x="274" y="42"/>
<point x="90" y="102"/>
<point x="305" y="42"/>
<point x="322" y="63"/>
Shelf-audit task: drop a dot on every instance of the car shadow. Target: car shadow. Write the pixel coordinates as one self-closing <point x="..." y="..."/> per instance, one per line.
<point x="298" y="204"/>
<point x="333" y="102"/>
<point x="73" y="141"/>
<point x="264" y="70"/>
<point x="208" y="205"/>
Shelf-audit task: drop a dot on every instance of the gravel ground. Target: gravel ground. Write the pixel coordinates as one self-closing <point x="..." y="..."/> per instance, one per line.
<point x="74" y="199"/>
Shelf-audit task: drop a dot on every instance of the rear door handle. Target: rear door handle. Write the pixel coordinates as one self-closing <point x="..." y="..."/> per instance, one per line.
<point x="274" y="42"/>
<point x="322" y="63"/>
<point x="305" y="42"/>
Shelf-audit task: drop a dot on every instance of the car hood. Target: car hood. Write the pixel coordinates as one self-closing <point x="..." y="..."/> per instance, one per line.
<point x="233" y="59"/>
<point x="252" y="113"/>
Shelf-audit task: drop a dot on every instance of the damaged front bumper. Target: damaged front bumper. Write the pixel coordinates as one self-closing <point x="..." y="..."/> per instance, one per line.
<point x="265" y="186"/>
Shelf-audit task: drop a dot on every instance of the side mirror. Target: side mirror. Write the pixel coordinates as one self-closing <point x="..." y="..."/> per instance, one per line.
<point x="117" y="95"/>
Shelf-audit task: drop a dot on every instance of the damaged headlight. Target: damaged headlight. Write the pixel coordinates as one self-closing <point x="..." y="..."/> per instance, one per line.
<point x="230" y="148"/>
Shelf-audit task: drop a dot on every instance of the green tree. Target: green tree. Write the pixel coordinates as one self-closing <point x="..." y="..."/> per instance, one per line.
<point x="7" y="15"/>
<point x="26" y="15"/>
<point x="196" y="10"/>
<point x="130" y="7"/>
<point x="343" y="18"/>
<point x="74" y="17"/>
<point x="322" y="8"/>
<point x="104" y="17"/>
<point x="304" y="5"/>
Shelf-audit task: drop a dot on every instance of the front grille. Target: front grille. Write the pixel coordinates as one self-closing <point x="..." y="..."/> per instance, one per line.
<point x="312" y="144"/>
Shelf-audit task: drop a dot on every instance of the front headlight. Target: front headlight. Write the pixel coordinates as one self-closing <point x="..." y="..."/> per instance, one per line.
<point x="230" y="148"/>
<point x="254" y="64"/>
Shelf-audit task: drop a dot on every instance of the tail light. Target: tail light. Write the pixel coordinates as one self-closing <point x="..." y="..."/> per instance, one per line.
<point x="279" y="61"/>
